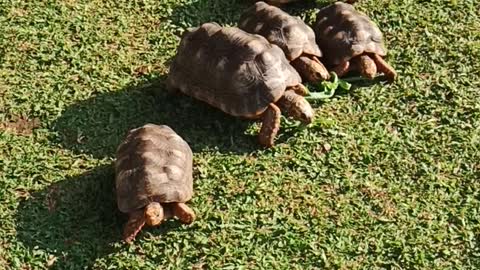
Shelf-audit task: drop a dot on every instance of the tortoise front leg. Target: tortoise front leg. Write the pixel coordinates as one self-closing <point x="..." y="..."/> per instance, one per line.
<point x="270" y="125"/>
<point x="366" y="66"/>
<point x="154" y="214"/>
<point x="135" y="223"/>
<point x="310" y="68"/>
<point x="184" y="213"/>
<point x="342" y="68"/>
<point x="384" y="67"/>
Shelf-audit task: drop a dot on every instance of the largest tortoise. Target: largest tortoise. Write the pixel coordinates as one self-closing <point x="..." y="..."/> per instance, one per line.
<point x="241" y="74"/>
<point x="153" y="180"/>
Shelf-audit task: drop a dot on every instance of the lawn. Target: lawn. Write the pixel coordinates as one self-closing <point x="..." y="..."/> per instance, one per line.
<point x="388" y="176"/>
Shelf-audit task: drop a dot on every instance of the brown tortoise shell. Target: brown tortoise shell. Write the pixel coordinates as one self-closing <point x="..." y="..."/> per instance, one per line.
<point x="288" y="32"/>
<point x="343" y="33"/>
<point x="230" y="69"/>
<point x="153" y="163"/>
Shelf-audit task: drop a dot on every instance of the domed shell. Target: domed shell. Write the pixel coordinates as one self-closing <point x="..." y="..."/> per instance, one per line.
<point x="343" y="32"/>
<point x="237" y="72"/>
<point x="288" y="32"/>
<point x="153" y="163"/>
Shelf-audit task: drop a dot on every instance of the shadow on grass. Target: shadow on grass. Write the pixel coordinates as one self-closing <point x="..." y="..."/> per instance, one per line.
<point x="198" y="12"/>
<point x="75" y="219"/>
<point x="97" y="126"/>
<point x="228" y="12"/>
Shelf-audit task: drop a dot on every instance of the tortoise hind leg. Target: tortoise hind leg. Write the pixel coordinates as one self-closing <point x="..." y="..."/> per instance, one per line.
<point x="342" y="68"/>
<point x="310" y="68"/>
<point x="184" y="213"/>
<point x="135" y="223"/>
<point x="366" y="66"/>
<point x="384" y="67"/>
<point x="270" y="125"/>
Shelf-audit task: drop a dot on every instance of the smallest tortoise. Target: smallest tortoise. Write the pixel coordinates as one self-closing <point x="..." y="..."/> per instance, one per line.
<point x="153" y="170"/>
<point x="291" y="34"/>
<point x="350" y="40"/>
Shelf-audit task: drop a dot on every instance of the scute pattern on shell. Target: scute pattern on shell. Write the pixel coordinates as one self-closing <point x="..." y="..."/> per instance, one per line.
<point x="288" y="32"/>
<point x="237" y="72"/>
<point x="343" y="32"/>
<point x="153" y="163"/>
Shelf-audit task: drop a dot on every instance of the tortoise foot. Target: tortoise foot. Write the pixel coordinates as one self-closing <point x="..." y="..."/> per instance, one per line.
<point x="384" y="67"/>
<point x="184" y="213"/>
<point x="270" y="126"/>
<point x="366" y="66"/>
<point x="154" y="214"/>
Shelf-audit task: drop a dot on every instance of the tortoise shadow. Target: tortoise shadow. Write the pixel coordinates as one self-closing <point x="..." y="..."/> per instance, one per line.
<point x="73" y="219"/>
<point x="196" y="13"/>
<point x="96" y="126"/>
<point x="77" y="220"/>
<point x="227" y="13"/>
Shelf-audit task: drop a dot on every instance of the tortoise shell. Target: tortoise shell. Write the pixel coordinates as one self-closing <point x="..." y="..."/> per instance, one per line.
<point x="343" y="32"/>
<point x="153" y="163"/>
<point x="288" y="32"/>
<point x="237" y="72"/>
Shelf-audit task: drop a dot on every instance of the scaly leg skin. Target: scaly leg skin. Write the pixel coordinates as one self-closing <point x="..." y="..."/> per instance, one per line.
<point x="154" y="214"/>
<point x="366" y="66"/>
<point x="342" y="68"/>
<point x="384" y="67"/>
<point x="135" y="223"/>
<point x="310" y="68"/>
<point x="296" y="106"/>
<point x="270" y="125"/>
<point x="184" y="213"/>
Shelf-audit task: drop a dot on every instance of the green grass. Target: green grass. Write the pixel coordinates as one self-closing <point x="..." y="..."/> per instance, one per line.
<point x="387" y="177"/>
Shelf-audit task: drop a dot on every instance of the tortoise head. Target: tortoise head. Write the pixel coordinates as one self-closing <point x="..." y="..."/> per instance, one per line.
<point x="296" y="106"/>
<point x="303" y="112"/>
<point x="154" y="214"/>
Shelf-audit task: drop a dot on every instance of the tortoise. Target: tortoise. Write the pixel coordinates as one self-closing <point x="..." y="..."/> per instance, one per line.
<point x="291" y="34"/>
<point x="153" y="178"/>
<point x="241" y="74"/>
<point x="350" y="40"/>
